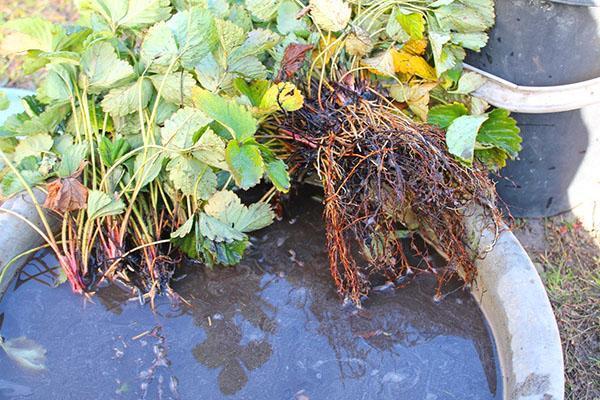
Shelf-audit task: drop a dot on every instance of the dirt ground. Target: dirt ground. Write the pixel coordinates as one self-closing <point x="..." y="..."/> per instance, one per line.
<point x="566" y="255"/>
<point x="568" y="260"/>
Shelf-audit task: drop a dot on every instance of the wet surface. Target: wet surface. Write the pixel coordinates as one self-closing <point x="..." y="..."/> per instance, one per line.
<point x="271" y="328"/>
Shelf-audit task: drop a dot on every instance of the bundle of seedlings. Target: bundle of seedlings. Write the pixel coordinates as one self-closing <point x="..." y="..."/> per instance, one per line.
<point x="386" y="166"/>
<point x="137" y="141"/>
<point x="154" y="117"/>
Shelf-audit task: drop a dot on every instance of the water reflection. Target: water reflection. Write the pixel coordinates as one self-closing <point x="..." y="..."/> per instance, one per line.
<point x="226" y="296"/>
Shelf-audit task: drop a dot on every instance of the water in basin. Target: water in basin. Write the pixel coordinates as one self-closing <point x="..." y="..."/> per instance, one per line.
<point x="270" y="328"/>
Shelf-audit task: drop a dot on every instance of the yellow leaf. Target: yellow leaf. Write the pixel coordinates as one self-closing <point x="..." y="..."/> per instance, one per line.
<point x="382" y="63"/>
<point x="358" y="42"/>
<point x="412" y="65"/>
<point x="327" y="48"/>
<point x="283" y="95"/>
<point x="415" y="96"/>
<point x="416" y="47"/>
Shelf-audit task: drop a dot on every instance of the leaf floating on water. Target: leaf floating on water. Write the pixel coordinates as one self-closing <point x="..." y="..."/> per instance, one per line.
<point x="66" y="195"/>
<point x="26" y="353"/>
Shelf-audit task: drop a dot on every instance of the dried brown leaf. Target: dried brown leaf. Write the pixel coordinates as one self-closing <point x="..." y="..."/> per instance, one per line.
<point x="66" y="194"/>
<point x="293" y="57"/>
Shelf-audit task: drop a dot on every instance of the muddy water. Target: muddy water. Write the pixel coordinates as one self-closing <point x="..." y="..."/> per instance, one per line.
<point x="271" y="328"/>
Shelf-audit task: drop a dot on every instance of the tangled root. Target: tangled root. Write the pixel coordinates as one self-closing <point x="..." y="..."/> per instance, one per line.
<point x="384" y="174"/>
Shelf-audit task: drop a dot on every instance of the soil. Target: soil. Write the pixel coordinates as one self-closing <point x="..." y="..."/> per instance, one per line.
<point x="567" y="257"/>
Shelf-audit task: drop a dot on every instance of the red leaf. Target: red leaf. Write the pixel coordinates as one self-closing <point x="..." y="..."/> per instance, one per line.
<point x="293" y="57"/>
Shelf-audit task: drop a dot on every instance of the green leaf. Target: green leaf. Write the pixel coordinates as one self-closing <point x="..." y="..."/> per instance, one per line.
<point x="30" y="34"/>
<point x="192" y="177"/>
<point x="159" y="48"/>
<point x="164" y="111"/>
<point x="25" y="352"/>
<point x="103" y="68"/>
<point x="468" y="82"/>
<point x="33" y="146"/>
<point x="393" y="28"/>
<point x="64" y="57"/>
<point x="4" y="101"/>
<point x="472" y="40"/>
<point x="227" y="207"/>
<point x="287" y="21"/>
<point x="216" y="230"/>
<point x="195" y="33"/>
<point x="210" y="73"/>
<point x="132" y="14"/>
<point x="101" y="205"/>
<point x="210" y="149"/>
<point x="128" y="99"/>
<point x="71" y="159"/>
<point x="444" y="115"/>
<point x="257" y="42"/>
<point x="248" y="67"/>
<point x="278" y="174"/>
<point x="240" y="16"/>
<point x="245" y="163"/>
<point x="112" y="151"/>
<point x="466" y="15"/>
<point x="178" y="132"/>
<point x="412" y="23"/>
<point x="330" y="15"/>
<point x="492" y="158"/>
<point x="230" y="253"/>
<point x="75" y="39"/>
<point x="128" y="125"/>
<point x="236" y="118"/>
<point x="461" y="136"/>
<point x="230" y="35"/>
<point x="147" y="167"/>
<point x="143" y="13"/>
<point x="445" y="56"/>
<point x="58" y="84"/>
<point x="175" y="88"/>
<point x="184" y="229"/>
<point x="501" y="131"/>
<point x="262" y="10"/>
<point x="11" y="184"/>
<point x="219" y="8"/>
<point x="45" y="122"/>
<point x="254" y="91"/>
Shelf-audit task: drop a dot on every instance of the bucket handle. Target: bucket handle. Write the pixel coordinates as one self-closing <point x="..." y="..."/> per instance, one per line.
<point x="536" y="99"/>
<point x="582" y="3"/>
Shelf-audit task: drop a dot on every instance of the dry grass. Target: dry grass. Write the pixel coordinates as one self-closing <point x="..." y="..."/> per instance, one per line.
<point x="568" y="259"/>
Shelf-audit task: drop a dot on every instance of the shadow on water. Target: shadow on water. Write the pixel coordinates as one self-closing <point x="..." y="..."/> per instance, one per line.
<point x="272" y="327"/>
<point x="540" y="43"/>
